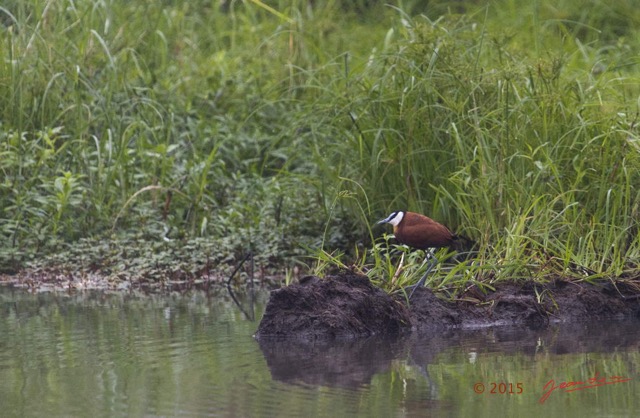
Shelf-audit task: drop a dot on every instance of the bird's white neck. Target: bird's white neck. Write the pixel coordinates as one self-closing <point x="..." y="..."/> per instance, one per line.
<point x="396" y="219"/>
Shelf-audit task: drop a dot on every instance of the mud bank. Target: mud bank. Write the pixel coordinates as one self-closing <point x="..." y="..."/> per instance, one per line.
<point x="347" y="305"/>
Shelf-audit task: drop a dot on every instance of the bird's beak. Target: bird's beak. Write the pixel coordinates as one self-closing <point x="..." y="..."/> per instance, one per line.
<point x="381" y="221"/>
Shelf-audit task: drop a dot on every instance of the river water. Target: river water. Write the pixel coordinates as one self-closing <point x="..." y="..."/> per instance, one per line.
<point x="110" y="355"/>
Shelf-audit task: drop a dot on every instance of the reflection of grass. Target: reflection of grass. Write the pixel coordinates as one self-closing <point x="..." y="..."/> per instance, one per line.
<point x="297" y="126"/>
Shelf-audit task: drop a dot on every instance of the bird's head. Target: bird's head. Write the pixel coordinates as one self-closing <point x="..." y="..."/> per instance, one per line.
<point x="394" y="219"/>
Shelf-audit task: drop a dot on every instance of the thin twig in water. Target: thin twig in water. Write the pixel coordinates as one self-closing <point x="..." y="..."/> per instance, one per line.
<point x="250" y="316"/>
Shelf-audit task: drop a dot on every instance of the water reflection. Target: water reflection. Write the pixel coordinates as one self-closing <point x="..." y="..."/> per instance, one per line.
<point x="355" y="364"/>
<point x="349" y="364"/>
<point x="103" y="354"/>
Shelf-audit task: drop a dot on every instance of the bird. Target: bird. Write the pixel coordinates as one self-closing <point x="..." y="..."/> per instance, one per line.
<point x="423" y="233"/>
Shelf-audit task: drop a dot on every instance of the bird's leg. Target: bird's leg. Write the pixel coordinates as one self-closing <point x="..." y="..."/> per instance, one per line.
<point x="430" y="255"/>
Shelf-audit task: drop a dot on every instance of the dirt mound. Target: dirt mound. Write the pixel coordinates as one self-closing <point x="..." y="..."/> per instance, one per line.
<point x="348" y="305"/>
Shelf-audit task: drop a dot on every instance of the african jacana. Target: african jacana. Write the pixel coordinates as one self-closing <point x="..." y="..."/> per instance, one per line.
<point x="421" y="232"/>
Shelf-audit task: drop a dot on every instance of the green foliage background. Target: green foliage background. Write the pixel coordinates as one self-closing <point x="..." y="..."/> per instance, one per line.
<point x="294" y="128"/>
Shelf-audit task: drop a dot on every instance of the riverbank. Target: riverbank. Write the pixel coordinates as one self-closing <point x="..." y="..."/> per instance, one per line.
<point x="144" y="265"/>
<point x="347" y="305"/>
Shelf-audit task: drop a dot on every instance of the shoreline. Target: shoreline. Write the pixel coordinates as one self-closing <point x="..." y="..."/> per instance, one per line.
<point x="347" y="305"/>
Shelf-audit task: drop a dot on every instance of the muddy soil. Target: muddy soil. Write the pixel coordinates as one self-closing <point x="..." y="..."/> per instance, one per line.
<point x="159" y="280"/>
<point x="347" y="305"/>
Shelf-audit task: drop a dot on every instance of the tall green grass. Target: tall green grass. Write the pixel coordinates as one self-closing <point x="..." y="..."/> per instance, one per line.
<point x="293" y="128"/>
<point x="523" y="135"/>
<point x="144" y="116"/>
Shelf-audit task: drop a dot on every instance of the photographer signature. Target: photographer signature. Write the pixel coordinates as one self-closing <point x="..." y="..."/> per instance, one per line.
<point x="592" y="382"/>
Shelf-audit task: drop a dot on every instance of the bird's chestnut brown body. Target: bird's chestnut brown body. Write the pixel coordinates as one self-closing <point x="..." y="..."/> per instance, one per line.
<point x="420" y="232"/>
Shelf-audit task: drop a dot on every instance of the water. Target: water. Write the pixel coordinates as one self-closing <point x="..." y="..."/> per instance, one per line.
<point x="109" y="355"/>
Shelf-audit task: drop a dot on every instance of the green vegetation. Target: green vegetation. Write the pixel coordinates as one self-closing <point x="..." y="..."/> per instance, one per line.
<point x="513" y="123"/>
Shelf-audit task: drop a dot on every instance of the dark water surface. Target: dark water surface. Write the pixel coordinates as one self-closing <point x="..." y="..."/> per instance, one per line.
<point x="105" y="355"/>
